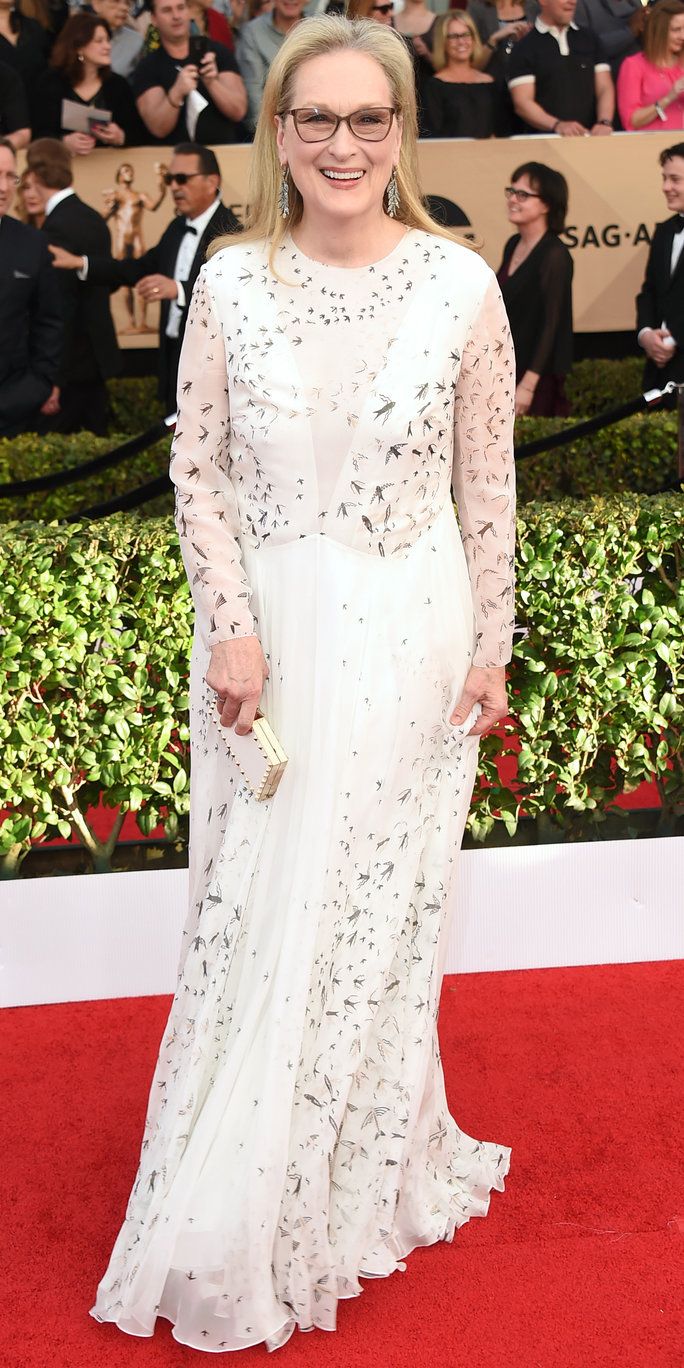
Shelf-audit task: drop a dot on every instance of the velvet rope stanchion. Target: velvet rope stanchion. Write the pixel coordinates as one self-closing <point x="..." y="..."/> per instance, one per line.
<point x="123" y="503"/>
<point x="135" y="498"/>
<point x="601" y="420"/>
<point x="58" y="478"/>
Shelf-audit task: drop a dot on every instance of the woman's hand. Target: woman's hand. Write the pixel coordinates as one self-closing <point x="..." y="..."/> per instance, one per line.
<point x="486" y="686"/>
<point x="236" y="673"/>
<point x="109" y="133"/>
<point x="523" y="400"/>
<point x="80" y="144"/>
<point x="51" y="405"/>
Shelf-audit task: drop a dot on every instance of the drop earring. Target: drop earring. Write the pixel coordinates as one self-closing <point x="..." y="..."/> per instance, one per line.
<point x="393" y="194"/>
<point x="284" y="195"/>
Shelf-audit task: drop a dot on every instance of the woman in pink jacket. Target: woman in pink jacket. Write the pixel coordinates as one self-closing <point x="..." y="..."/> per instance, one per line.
<point x="650" y="86"/>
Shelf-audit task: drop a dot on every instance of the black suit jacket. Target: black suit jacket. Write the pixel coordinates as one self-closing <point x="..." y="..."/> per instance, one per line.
<point x="662" y="299"/>
<point x="91" y="350"/>
<point x="31" y="332"/>
<point x="161" y="260"/>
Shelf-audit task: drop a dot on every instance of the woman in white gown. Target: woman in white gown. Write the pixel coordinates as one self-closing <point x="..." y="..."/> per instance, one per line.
<point x="345" y="363"/>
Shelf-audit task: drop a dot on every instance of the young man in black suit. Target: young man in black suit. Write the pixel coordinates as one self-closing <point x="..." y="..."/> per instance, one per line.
<point x="660" y="305"/>
<point x="91" y="352"/>
<point x="168" y="271"/>
<point x="31" y="332"/>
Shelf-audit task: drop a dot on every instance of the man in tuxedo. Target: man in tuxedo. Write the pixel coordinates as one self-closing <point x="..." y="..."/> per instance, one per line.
<point x="168" y="271"/>
<point x="91" y="354"/>
<point x="660" y="304"/>
<point x="31" y="332"/>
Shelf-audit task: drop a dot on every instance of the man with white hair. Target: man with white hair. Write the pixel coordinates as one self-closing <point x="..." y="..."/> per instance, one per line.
<point x="127" y="43"/>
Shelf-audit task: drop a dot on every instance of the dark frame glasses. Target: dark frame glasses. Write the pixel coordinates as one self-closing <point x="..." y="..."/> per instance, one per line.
<point x="318" y="125"/>
<point x="512" y="192"/>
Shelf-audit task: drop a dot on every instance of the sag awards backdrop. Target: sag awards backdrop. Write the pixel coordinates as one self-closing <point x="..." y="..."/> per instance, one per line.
<point x="117" y="934"/>
<point x="615" y="201"/>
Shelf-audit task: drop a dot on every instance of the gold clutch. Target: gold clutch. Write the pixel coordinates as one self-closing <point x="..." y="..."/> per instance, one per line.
<point x="259" y="756"/>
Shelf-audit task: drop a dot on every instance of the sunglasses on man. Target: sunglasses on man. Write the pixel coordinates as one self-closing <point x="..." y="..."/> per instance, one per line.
<point x="180" y="177"/>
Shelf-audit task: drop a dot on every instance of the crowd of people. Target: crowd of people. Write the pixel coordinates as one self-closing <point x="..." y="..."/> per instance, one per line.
<point x="116" y="73"/>
<point x="191" y="75"/>
<point x="59" y="347"/>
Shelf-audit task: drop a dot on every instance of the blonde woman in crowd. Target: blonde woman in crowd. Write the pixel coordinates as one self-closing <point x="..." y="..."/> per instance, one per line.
<point x="459" y="100"/>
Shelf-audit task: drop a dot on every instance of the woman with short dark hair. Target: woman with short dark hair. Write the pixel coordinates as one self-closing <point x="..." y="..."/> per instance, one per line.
<point x="536" y="282"/>
<point x="80" y="72"/>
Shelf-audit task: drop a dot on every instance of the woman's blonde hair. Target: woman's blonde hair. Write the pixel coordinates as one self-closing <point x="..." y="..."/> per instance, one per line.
<point x="316" y="37"/>
<point x="657" y="29"/>
<point x="439" y="45"/>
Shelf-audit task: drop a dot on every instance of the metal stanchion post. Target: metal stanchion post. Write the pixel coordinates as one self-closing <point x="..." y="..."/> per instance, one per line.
<point x="680" y="432"/>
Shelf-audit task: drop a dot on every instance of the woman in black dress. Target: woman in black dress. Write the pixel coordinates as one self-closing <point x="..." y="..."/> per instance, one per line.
<point x="459" y="102"/>
<point x="80" y="72"/>
<point x="536" y="282"/>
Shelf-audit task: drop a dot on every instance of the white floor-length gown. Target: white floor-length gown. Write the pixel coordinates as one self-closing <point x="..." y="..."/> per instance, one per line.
<point x="298" y="1136"/>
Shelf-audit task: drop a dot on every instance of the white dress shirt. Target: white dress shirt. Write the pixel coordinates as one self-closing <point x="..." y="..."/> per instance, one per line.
<point x="57" y="198"/>
<point x="184" y="260"/>
<point x="675" y="253"/>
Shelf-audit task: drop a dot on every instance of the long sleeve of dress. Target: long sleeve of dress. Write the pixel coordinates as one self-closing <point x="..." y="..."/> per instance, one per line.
<point x="483" y="476"/>
<point x="555" y="284"/>
<point x="206" y="504"/>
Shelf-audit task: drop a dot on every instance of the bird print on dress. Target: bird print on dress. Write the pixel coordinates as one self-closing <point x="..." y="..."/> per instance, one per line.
<point x="298" y="1137"/>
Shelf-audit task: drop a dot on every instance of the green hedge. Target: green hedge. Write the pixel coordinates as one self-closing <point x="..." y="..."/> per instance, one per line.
<point x="134" y="404"/>
<point x="28" y="456"/>
<point x="95" y="631"/>
<point x="595" y="385"/>
<point x="638" y="454"/>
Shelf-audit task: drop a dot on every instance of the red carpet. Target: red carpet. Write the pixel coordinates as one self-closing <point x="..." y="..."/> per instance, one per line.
<point x="579" y="1264"/>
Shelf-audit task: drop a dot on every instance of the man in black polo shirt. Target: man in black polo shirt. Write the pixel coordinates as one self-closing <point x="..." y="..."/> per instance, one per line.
<point x="190" y="89"/>
<point x="558" y="76"/>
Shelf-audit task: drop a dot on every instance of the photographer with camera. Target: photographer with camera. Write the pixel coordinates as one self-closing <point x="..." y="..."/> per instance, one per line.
<point x="190" y="87"/>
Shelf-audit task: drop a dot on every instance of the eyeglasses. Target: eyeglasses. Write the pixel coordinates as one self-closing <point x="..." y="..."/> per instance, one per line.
<point x="459" y="37"/>
<point x="10" y="177"/>
<point x="512" y="193"/>
<point x="383" y="9"/>
<point x="317" y="125"/>
<point x="180" y="177"/>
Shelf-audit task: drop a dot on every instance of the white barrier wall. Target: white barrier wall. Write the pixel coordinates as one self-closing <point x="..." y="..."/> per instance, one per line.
<point x="117" y="935"/>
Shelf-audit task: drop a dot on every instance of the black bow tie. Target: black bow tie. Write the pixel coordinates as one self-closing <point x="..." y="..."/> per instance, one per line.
<point x="679" y="227"/>
<point x="189" y="229"/>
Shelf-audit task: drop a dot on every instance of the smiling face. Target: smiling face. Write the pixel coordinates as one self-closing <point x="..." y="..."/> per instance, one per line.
<point x="458" y="41"/>
<point x="673" y="184"/>
<point x="99" y="49"/>
<point x="527" y="208"/>
<point x="345" y="177"/>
